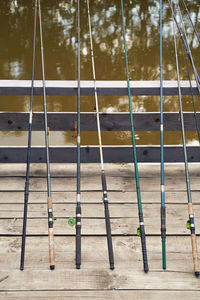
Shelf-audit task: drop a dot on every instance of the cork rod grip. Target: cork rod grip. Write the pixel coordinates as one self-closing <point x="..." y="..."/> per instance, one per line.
<point x="193" y="240"/>
<point x="190" y="209"/>
<point x="49" y="202"/>
<point x="51" y="249"/>
<point x="195" y="254"/>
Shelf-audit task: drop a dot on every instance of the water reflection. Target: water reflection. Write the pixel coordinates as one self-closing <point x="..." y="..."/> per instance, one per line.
<point x="59" y="30"/>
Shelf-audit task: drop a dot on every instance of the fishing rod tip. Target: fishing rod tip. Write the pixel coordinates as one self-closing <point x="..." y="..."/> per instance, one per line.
<point x="52" y="267"/>
<point x="196" y="274"/>
<point x="112" y="266"/>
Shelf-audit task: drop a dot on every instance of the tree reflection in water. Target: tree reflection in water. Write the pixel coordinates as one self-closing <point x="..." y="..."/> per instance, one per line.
<point x="59" y="23"/>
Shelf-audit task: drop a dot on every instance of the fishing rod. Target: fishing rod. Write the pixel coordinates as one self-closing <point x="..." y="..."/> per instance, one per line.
<point x="188" y="72"/>
<point x="103" y="176"/>
<point x="163" y="208"/>
<point x="26" y="191"/>
<point x="190" y="222"/>
<point x="49" y="198"/>
<point x="78" y="195"/>
<point x="193" y="100"/>
<point x="141" y="229"/>
<point x="195" y="31"/>
<point x="186" y="46"/>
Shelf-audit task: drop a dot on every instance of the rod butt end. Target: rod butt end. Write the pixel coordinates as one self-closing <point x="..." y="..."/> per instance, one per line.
<point x="112" y="267"/>
<point x="146" y="270"/>
<point x="22" y="265"/>
<point x="196" y="274"/>
<point x="52" y="267"/>
<point x="78" y="266"/>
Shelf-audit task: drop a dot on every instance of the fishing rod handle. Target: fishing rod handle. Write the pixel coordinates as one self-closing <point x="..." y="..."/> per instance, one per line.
<point x="51" y="249"/>
<point x="144" y="249"/>
<point x="51" y="235"/>
<point x="163" y="235"/>
<point x="193" y="240"/>
<point x="78" y="237"/>
<point x="195" y="254"/>
<point x="26" y="191"/>
<point x="143" y="242"/>
<point x="109" y="236"/>
<point x="163" y="222"/>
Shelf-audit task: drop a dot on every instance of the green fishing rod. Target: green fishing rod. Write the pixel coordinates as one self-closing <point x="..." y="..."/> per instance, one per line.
<point x="141" y="221"/>
<point x="28" y="161"/>
<point x="163" y="208"/>
<point x="78" y="192"/>
<point x="49" y="198"/>
<point x="190" y="223"/>
<point x="103" y="176"/>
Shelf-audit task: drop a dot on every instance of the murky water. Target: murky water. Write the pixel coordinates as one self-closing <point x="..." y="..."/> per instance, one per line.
<point x="59" y="20"/>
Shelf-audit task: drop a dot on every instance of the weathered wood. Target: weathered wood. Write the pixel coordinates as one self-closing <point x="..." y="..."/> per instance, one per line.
<point x="127" y="252"/>
<point x="96" y="210"/>
<point x="90" y="170"/>
<point x="95" y="276"/>
<point x="96" y="279"/>
<point x="105" y="88"/>
<point x="65" y="121"/>
<point x="93" y="183"/>
<point x="124" y="219"/>
<point x="90" y="154"/>
<point x="95" y="227"/>
<point x="101" y="295"/>
<point x="95" y="197"/>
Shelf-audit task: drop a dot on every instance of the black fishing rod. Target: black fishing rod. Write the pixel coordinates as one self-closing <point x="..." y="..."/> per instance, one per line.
<point x="188" y="72"/>
<point x="49" y="198"/>
<point x="103" y="176"/>
<point x="190" y="222"/>
<point x="187" y="11"/>
<point x="186" y="46"/>
<point x="26" y="191"/>
<point x="141" y="229"/>
<point x="78" y="192"/>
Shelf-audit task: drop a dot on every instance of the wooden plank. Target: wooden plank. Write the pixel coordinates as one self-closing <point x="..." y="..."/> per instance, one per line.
<point x="89" y="170"/>
<point x="90" y="154"/>
<point x="101" y="295"/>
<point x="93" y="183"/>
<point x="104" y="88"/>
<point x="127" y="251"/>
<point x="65" y="121"/>
<point x="114" y="197"/>
<point x="96" y="279"/>
<point x="95" y="273"/>
<point x="94" y="210"/>
<point x="124" y="219"/>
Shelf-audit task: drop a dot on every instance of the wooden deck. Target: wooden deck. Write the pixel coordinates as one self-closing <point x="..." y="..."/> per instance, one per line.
<point x="95" y="280"/>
